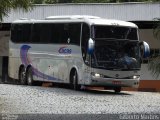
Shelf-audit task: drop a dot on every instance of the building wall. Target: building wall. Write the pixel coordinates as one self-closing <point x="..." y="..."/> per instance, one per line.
<point x="147" y="35"/>
<point x="4" y="48"/>
<point x="0" y="68"/>
<point x="146" y="74"/>
<point x="121" y="11"/>
<point x="4" y="42"/>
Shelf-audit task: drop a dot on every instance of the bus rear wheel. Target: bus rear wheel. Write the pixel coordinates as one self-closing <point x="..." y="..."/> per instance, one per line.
<point x="29" y="77"/>
<point x="22" y="76"/>
<point x="74" y="80"/>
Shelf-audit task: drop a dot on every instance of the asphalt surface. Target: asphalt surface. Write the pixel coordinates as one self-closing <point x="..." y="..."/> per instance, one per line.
<point x="37" y="100"/>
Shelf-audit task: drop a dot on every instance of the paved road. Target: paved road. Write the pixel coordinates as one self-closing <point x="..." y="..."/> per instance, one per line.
<point x="18" y="99"/>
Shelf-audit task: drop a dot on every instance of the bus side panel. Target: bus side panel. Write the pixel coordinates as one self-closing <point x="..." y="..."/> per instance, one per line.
<point x="76" y="62"/>
<point x="63" y="70"/>
<point x="48" y="67"/>
<point x="54" y="69"/>
<point x="15" y="60"/>
<point x="86" y="74"/>
<point x="13" y="67"/>
<point x="48" y="64"/>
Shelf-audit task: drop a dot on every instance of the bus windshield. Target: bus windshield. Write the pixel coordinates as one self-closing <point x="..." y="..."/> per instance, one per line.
<point x="116" y="48"/>
<point x="116" y="32"/>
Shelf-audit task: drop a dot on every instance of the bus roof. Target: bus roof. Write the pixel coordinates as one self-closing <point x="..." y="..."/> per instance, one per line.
<point x="91" y="20"/>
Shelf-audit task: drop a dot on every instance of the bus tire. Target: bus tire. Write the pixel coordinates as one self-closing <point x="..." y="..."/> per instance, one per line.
<point x="29" y="76"/>
<point x="22" y="76"/>
<point x="117" y="89"/>
<point x="74" y="80"/>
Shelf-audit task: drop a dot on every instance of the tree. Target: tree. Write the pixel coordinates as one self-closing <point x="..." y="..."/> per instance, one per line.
<point x="38" y="1"/>
<point x="88" y="1"/>
<point x="154" y="64"/>
<point x="7" y="5"/>
<point x="50" y="1"/>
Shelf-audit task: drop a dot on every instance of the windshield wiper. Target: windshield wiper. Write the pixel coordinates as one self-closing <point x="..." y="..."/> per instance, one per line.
<point x="126" y="69"/>
<point x="111" y="39"/>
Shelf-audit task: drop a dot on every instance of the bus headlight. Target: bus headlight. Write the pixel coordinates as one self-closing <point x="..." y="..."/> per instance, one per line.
<point x="96" y="75"/>
<point x="136" y="76"/>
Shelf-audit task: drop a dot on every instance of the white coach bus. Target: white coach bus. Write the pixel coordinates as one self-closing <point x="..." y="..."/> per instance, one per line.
<point x="76" y="50"/>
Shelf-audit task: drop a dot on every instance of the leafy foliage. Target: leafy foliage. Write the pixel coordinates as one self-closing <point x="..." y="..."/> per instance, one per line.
<point x="37" y="1"/>
<point x="156" y="31"/>
<point x="7" y="5"/>
<point x="154" y="64"/>
<point x="88" y="1"/>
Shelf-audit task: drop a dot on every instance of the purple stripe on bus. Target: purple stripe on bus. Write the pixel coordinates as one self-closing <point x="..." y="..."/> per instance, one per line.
<point x="25" y="60"/>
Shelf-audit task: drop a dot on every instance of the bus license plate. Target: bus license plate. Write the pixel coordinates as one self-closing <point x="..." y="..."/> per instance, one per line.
<point x="116" y="82"/>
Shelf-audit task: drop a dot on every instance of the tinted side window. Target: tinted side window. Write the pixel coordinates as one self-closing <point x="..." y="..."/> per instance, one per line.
<point x="66" y="33"/>
<point x="84" y="42"/>
<point x="45" y="33"/>
<point x="60" y="33"/>
<point x="20" y="33"/>
<point x="85" y="35"/>
<point x="74" y="33"/>
<point x="14" y="31"/>
<point x="35" y="33"/>
<point x="26" y="32"/>
<point x="41" y="33"/>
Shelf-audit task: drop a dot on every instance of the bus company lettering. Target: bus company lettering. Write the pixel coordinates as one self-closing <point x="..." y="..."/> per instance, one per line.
<point x="65" y="50"/>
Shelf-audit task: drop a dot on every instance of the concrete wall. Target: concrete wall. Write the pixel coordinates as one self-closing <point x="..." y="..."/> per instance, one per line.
<point x="0" y="68"/>
<point x="4" y="42"/>
<point x="147" y="35"/>
<point x="4" y="47"/>
<point x="146" y="74"/>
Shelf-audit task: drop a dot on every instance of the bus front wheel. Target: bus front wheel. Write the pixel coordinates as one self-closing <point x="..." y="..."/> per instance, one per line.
<point x="74" y="80"/>
<point x="117" y="89"/>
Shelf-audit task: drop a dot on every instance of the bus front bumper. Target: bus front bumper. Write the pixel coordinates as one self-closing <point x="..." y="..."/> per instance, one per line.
<point x="112" y="82"/>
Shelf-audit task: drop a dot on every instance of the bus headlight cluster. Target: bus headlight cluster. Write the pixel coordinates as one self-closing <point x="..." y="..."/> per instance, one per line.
<point x="136" y="77"/>
<point x="96" y="74"/>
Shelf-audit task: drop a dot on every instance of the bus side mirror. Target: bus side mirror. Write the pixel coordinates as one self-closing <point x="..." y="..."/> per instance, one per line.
<point x="145" y="50"/>
<point x="91" y="45"/>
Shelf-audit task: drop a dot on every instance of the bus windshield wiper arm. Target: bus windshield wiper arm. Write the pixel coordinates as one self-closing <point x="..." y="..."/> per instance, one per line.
<point x="112" y="39"/>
